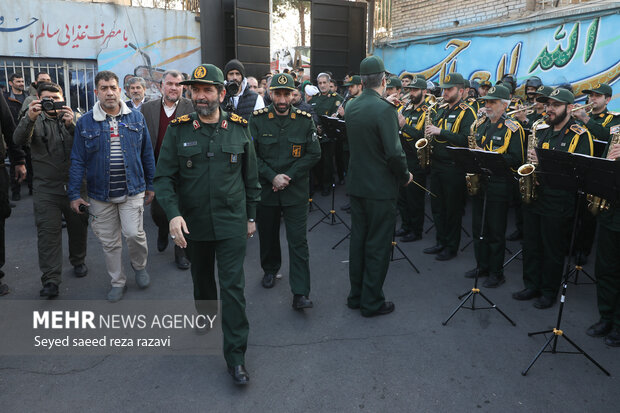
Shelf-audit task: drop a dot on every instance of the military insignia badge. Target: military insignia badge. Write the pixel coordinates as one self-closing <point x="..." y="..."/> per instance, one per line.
<point x="282" y="80"/>
<point x="224" y="124"/>
<point x="555" y="92"/>
<point x="296" y="151"/>
<point x="293" y="115"/>
<point x="196" y="124"/>
<point x="337" y="103"/>
<point x="189" y="163"/>
<point x="200" y="72"/>
<point x="545" y="145"/>
<point x="447" y="78"/>
<point x="233" y="158"/>
<point x="578" y="129"/>
<point x="270" y="116"/>
<point x="492" y="90"/>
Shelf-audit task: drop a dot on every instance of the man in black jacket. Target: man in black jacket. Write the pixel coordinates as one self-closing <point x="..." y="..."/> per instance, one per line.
<point x="245" y="101"/>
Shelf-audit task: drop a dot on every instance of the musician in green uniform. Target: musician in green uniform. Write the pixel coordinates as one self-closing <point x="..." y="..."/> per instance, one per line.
<point x="376" y="170"/>
<point x="607" y="265"/>
<point x="325" y="103"/>
<point x="450" y="127"/>
<point x="504" y="136"/>
<point x="287" y="147"/>
<point x="411" y="199"/>
<point x="547" y="220"/>
<point x="207" y="183"/>
<point x="354" y="87"/>
<point x="394" y="87"/>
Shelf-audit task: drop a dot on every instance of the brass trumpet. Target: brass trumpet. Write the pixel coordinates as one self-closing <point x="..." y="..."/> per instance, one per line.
<point x="587" y="108"/>
<point x="529" y="109"/>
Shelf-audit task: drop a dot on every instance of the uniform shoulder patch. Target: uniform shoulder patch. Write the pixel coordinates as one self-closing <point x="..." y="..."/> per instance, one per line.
<point x="180" y="120"/>
<point x="258" y="112"/>
<point x="579" y="130"/>
<point x="512" y="125"/>
<point x="238" y="119"/>
<point x="464" y="106"/>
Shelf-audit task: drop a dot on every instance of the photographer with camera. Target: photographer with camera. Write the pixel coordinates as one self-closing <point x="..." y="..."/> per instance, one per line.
<point x="48" y="129"/>
<point x="240" y="99"/>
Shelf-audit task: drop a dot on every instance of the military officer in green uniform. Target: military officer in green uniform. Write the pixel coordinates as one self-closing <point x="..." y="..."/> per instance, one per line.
<point x="325" y="103"/>
<point x="607" y="265"/>
<point x="504" y="136"/>
<point x="207" y="183"/>
<point x="376" y="170"/>
<point x="548" y="219"/>
<point x="451" y="127"/>
<point x="354" y="85"/>
<point x="411" y="199"/>
<point x="286" y="148"/>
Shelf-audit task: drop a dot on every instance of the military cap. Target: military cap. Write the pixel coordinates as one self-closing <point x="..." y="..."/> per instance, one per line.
<point x="282" y="81"/>
<point x="206" y="74"/>
<point x="393" y="81"/>
<point x="558" y="94"/>
<point x="451" y="80"/>
<point x="417" y="82"/>
<point x="485" y="83"/>
<point x="497" y="92"/>
<point x="544" y="90"/>
<point x="371" y="65"/>
<point x="600" y="88"/>
<point x="466" y="83"/>
<point x="354" y="80"/>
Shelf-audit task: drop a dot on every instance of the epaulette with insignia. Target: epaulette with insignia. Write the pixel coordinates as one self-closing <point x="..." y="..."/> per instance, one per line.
<point x="424" y="108"/>
<point x="512" y="125"/>
<point x="579" y="130"/>
<point x="237" y="119"/>
<point x="303" y="113"/>
<point x="464" y="106"/>
<point x="471" y="99"/>
<point x="260" y="111"/>
<point x="180" y="120"/>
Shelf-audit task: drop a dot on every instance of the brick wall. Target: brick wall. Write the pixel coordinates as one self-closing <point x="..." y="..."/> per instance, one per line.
<point x="419" y="16"/>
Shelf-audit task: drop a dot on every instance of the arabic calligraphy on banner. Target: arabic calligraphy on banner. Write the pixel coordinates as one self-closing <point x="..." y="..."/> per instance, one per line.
<point x="73" y="36"/>
<point x="582" y="52"/>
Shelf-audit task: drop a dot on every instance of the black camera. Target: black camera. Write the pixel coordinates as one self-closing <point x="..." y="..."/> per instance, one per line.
<point x="50" y="105"/>
<point x="232" y="88"/>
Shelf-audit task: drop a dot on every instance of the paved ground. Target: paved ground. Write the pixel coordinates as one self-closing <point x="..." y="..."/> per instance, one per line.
<point x="329" y="358"/>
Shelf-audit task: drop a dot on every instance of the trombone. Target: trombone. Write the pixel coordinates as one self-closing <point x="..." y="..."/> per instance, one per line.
<point x="529" y="110"/>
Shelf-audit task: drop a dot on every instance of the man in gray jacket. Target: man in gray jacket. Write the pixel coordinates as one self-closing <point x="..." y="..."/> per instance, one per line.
<point x="49" y="133"/>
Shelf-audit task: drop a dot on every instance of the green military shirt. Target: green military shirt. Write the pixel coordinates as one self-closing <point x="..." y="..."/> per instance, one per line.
<point x="505" y="137"/>
<point x="326" y="104"/>
<point x="455" y="123"/>
<point x="207" y="173"/>
<point x="377" y="166"/>
<point x="599" y="124"/>
<point x="284" y="145"/>
<point x="412" y="131"/>
<point x="475" y="104"/>
<point x="572" y="138"/>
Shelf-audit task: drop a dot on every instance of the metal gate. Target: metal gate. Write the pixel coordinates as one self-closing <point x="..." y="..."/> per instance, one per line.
<point x="338" y="37"/>
<point x="75" y="76"/>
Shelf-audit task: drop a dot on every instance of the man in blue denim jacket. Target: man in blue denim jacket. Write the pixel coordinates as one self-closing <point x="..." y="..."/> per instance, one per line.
<point x="112" y="146"/>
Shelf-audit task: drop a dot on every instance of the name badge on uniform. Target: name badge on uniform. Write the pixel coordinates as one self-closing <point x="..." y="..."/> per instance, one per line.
<point x="563" y="144"/>
<point x="192" y="143"/>
<point x="296" y="151"/>
<point x="451" y="116"/>
<point x="497" y="138"/>
<point x="233" y="158"/>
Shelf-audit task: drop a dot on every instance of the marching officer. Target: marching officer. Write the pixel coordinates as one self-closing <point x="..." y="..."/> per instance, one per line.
<point x="325" y="103"/>
<point x="207" y="182"/>
<point x="450" y="127"/>
<point x="548" y="219"/>
<point x="376" y="170"/>
<point x="411" y="119"/>
<point x="606" y="267"/>
<point x="287" y="147"/>
<point x="504" y="136"/>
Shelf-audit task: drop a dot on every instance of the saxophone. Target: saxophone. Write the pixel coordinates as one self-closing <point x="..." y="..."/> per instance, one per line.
<point x="473" y="180"/>
<point x="527" y="180"/>
<point x="597" y="204"/>
<point x="423" y="145"/>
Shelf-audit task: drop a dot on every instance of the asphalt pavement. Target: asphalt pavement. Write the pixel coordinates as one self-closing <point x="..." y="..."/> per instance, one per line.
<point x="329" y="358"/>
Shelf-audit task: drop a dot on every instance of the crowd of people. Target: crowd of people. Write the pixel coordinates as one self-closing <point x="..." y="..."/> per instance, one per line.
<point x="222" y="155"/>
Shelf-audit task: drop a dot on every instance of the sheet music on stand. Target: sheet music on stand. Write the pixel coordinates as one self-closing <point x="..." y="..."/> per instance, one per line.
<point x="479" y="161"/>
<point x="334" y="129"/>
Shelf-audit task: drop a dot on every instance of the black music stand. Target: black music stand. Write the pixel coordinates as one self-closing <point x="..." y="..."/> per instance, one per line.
<point x="487" y="164"/>
<point x="563" y="170"/>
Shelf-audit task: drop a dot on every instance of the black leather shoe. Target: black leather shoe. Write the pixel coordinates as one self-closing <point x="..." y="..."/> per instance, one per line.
<point x="239" y="374"/>
<point x="386" y="308"/>
<point x="544" y="302"/>
<point x="445" y="255"/>
<point x="525" y="294"/>
<point x="515" y="236"/>
<point x="180" y="258"/>
<point x="80" y="270"/>
<point x="436" y="249"/>
<point x="411" y="237"/>
<point x="494" y="281"/>
<point x="472" y="273"/>
<point x="4" y="289"/>
<point x="401" y="232"/>
<point x="613" y="338"/>
<point x="162" y="242"/>
<point x="600" y="329"/>
<point x="16" y="196"/>
<point x="269" y="280"/>
<point x="301" y="302"/>
<point x="50" y="290"/>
